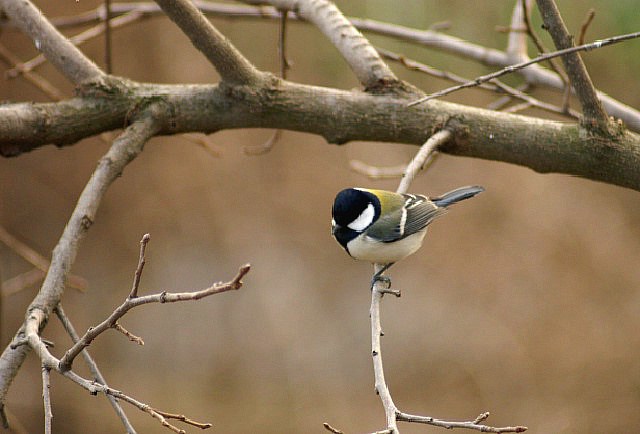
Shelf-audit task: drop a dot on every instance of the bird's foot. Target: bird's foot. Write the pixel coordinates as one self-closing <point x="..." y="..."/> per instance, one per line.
<point x="387" y="281"/>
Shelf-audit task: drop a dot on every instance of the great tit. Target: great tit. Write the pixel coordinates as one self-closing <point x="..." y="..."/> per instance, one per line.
<point x="382" y="226"/>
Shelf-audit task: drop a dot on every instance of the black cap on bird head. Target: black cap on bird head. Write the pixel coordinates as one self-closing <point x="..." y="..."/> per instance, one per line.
<point x="350" y="203"/>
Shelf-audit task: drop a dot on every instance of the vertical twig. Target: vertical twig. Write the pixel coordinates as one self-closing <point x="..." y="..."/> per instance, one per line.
<point x="585" y="25"/>
<point x="594" y="112"/>
<point x="390" y="409"/>
<point x="107" y="37"/>
<point x="141" y="261"/>
<point x="46" y="398"/>
<point x="421" y="158"/>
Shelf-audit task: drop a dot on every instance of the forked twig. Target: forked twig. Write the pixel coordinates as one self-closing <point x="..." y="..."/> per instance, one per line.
<point x="393" y="415"/>
<point x="512" y="68"/>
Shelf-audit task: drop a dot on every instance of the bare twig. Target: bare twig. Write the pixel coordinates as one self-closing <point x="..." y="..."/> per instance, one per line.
<point x="473" y="425"/>
<point x="493" y="85"/>
<point x="141" y="261"/>
<point x="512" y="68"/>
<point x="95" y="388"/>
<point x="93" y="367"/>
<point x="21" y="281"/>
<point x="133" y="338"/>
<point x="376" y="172"/>
<point x="185" y="419"/>
<point x="329" y="428"/>
<point x="46" y="398"/>
<point x="538" y="42"/>
<point x="284" y="67"/>
<point x="282" y="44"/>
<point x="36" y="259"/>
<point x="232" y="66"/>
<point x="204" y="142"/>
<point x="35" y="79"/>
<point x="32" y="338"/>
<point x="130" y="303"/>
<point x="585" y="25"/>
<point x="423" y="155"/>
<point x="593" y="110"/>
<point x="124" y="149"/>
<point x="372" y="72"/>
<point x="107" y="37"/>
<point x="265" y="147"/>
<point x="63" y="54"/>
<point x="79" y="39"/>
<point x="393" y="415"/>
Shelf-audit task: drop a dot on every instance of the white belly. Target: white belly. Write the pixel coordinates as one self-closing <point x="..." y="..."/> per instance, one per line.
<point x="368" y="249"/>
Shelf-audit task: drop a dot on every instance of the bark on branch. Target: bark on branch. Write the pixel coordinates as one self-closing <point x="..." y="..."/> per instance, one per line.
<point x="339" y="116"/>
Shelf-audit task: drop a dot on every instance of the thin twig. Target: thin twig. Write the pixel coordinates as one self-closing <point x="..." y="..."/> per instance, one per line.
<point x="67" y="59"/>
<point x="107" y="37"/>
<point x="393" y="415"/>
<point x="377" y="172"/>
<point x="585" y="25"/>
<point x="93" y="367"/>
<point x="35" y="79"/>
<point x="266" y="147"/>
<point x="141" y="261"/>
<point x="185" y="419"/>
<point x="133" y="338"/>
<point x="370" y="70"/>
<point x="594" y="112"/>
<point x="130" y="303"/>
<point x="46" y="398"/>
<point x="124" y="149"/>
<point x="421" y="158"/>
<point x="493" y="85"/>
<point x="473" y="425"/>
<point x="282" y="45"/>
<point x="36" y="259"/>
<point x="539" y="45"/>
<point x="329" y="428"/>
<point x="512" y="68"/>
<point x="77" y="40"/>
<point x="22" y="281"/>
<point x="204" y="142"/>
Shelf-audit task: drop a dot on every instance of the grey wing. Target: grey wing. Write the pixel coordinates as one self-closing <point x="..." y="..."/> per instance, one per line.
<point x="417" y="213"/>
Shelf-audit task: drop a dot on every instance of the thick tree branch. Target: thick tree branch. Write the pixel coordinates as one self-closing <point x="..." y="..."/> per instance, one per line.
<point x="232" y="66"/>
<point x="372" y="72"/>
<point x="594" y="112"/>
<point x="124" y="149"/>
<point x="533" y="74"/>
<point x="339" y="116"/>
<point x="61" y="53"/>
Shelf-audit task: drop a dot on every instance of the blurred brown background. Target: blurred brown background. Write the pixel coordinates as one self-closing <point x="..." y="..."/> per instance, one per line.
<point x="523" y="302"/>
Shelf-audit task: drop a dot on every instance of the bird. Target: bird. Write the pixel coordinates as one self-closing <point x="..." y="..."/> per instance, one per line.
<point x="383" y="227"/>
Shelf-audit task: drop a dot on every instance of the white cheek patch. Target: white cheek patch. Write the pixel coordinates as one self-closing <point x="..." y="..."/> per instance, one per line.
<point x="363" y="220"/>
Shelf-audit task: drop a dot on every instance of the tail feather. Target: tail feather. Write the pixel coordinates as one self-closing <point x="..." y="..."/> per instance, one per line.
<point x="456" y="195"/>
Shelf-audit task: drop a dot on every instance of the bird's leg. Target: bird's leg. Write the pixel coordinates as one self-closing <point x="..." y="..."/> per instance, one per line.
<point x="378" y="277"/>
